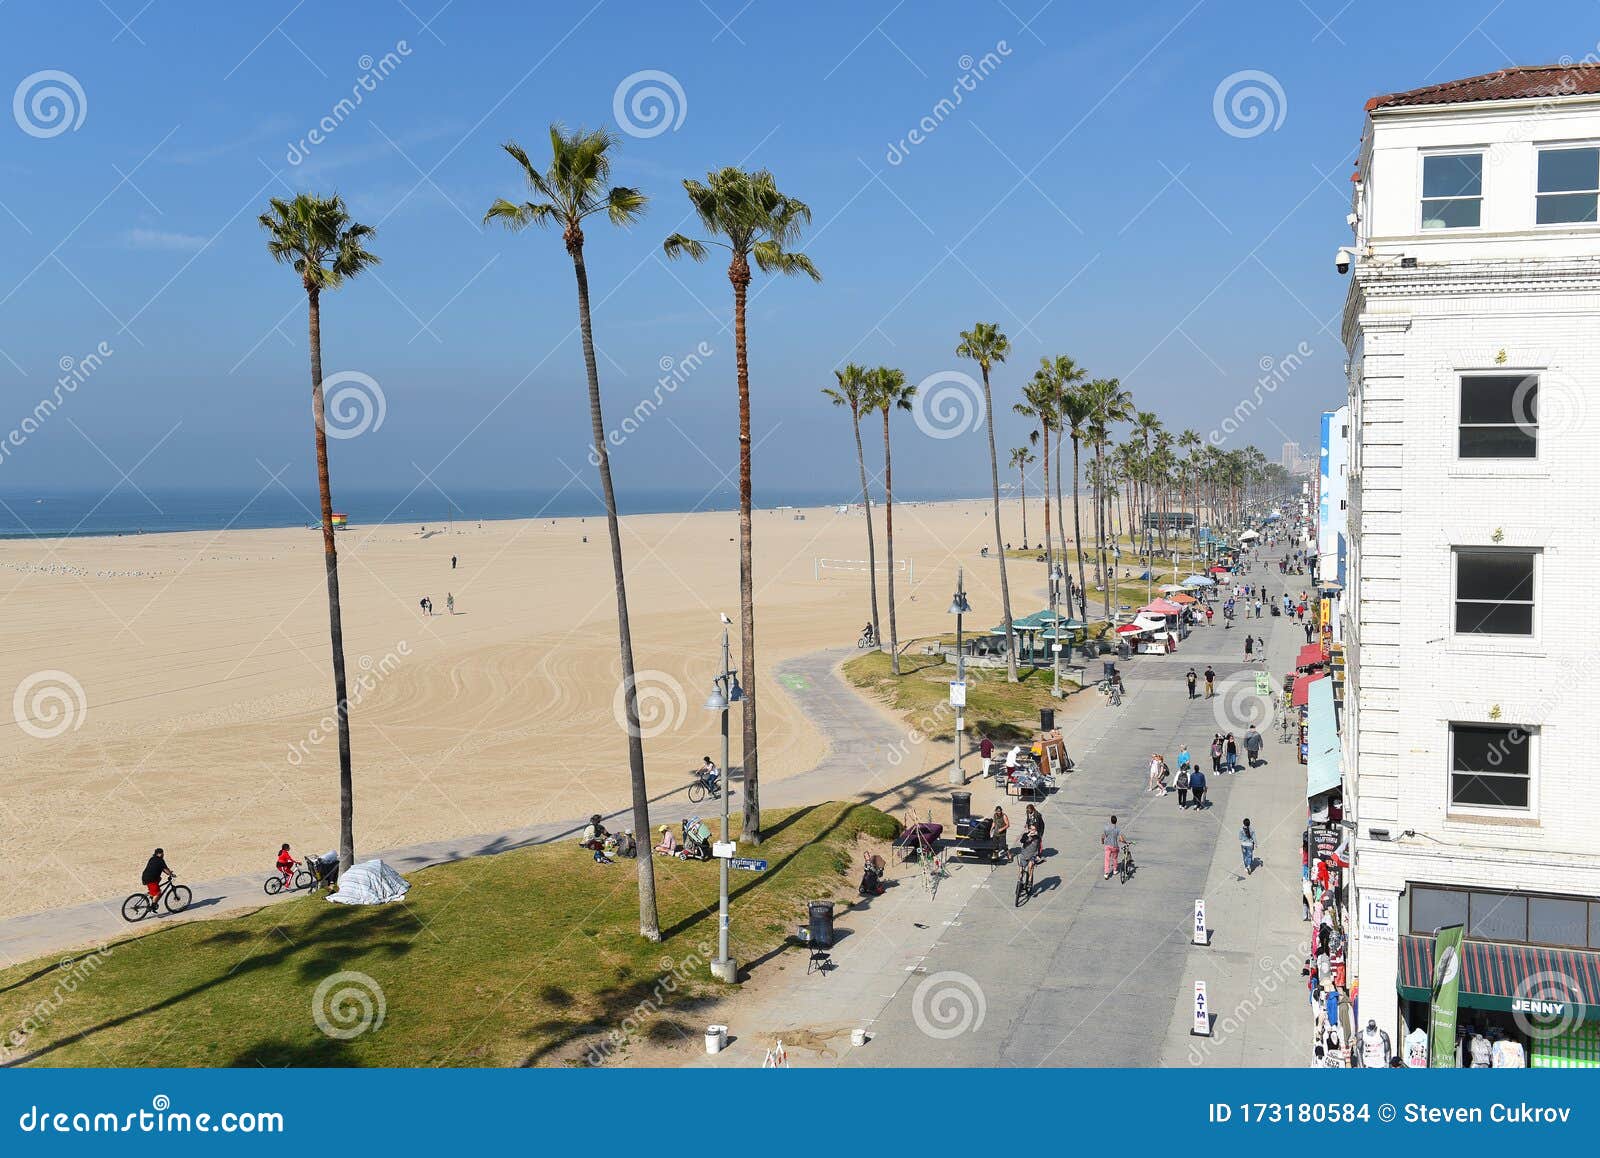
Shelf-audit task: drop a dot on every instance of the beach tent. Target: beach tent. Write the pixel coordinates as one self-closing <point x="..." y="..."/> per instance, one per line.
<point x="1170" y="588"/>
<point x="1133" y="629"/>
<point x="370" y="883"/>
<point x="1162" y="607"/>
<point x="1183" y="600"/>
<point x="340" y="520"/>
<point x="1248" y="535"/>
<point x="1199" y="581"/>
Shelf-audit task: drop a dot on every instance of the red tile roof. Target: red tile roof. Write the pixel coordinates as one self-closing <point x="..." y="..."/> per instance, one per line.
<point x="1532" y="82"/>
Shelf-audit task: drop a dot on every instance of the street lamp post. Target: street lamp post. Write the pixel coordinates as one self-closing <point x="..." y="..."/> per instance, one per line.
<point x="1055" y="628"/>
<point x="725" y="692"/>
<point x="959" y="607"/>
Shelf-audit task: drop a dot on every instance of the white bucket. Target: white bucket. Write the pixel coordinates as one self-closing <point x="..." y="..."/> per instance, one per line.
<point x="858" y="1035"/>
<point x="716" y="1038"/>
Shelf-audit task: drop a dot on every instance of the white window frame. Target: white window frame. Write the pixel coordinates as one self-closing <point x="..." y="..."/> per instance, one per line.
<point x="1423" y="156"/>
<point x="1538" y="372"/>
<point x="1480" y="637"/>
<point x="1557" y="147"/>
<point x="1535" y="741"/>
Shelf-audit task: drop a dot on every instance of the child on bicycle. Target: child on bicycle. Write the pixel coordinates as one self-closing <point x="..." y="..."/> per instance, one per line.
<point x="286" y="866"/>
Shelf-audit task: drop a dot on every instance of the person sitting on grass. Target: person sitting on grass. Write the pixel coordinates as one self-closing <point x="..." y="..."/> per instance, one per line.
<point x="669" y="842"/>
<point x="594" y="837"/>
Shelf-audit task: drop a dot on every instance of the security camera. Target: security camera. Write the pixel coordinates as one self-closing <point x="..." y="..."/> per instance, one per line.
<point x="1341" y="259"/>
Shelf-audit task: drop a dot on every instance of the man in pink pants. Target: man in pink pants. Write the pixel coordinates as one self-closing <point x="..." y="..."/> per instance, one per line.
<point x="1111" y="838"/>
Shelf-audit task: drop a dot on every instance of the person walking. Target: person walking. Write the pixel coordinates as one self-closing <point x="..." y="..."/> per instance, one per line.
<point x="452" y="562"/>
<point x="1211" y="682"/>
<point x="1000" y="830"/>
<point x="1157" y="778"/>
<point x="1183" y="784"/>
<point x="1308" y="633"/>
<point x="1190" y="678"/>
<point x="1252" y="746"/>
<point x="1197" y="787"/>
<point x="1261" y="648"/>
<point x="450" y="602"/>
<point x="1111" y="842"/>
<point x="1231" y="753"/>
<point x="1216" y="753"/>
<point x="1247" y="847"/>
<point x="985" y="753"/>
<point x="1249" y="648"/>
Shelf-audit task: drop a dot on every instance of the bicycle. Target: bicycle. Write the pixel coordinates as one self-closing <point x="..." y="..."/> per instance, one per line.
<point x="866" y="640"/>
<point x="176" y="897"/>
<point x="1024" y="880"/>
<point x="1112" y="690"/>
<point x="1125" y="866"/>
<point x="302" y="880"/>
<point x="702" y="786"/>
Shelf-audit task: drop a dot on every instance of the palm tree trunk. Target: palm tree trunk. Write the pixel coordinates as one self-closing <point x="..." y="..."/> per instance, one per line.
<point x="1099" y="463"/>
<point x="866" y="503"/>
<point x="999" y="543"/>
<point x="1049" y="551"/>
<point x="739" y="274"/>
<point x="888" y="535"/>
<point x="330" y="566"/>
<point x="649" y="923"/>
<point x="1077" y="519"/>
<point x="1022" y="491"/>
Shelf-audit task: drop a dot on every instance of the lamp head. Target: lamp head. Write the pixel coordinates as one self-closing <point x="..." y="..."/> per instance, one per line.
<point x="716" y="701"/>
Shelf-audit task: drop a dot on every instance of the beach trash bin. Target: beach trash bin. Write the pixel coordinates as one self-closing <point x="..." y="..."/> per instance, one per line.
<point x="819" y="919"/>
<point x="716" y="1038"/>
<point x="1047" y="719"/>
<point x="960" y="808"/>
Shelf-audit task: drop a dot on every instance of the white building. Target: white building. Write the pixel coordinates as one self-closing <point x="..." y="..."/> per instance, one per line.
<point x="1473" y="330"/>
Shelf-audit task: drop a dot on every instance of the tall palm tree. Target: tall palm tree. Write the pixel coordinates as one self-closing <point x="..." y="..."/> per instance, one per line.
<point x="1074" y="412"/>
<point x="1039" y="404"/>
<point x="888" y="392"/>
<point x="753" y="220"/>
<point x="987" y="346"/>
<point x="852" y="393"/>
<point x="1065" y="377"/>
<point x="1021" y="459"/>
<point x="576" y="186"/>
<point x="1189" y="442"/>
<point x="316" y="237"/>
<point x="1109" y="403"/>
<point x="1146" y="424"/>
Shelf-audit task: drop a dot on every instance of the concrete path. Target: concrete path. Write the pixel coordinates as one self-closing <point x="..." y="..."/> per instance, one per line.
<point x="1088" y="972"/>
<point x="860" y="765"/>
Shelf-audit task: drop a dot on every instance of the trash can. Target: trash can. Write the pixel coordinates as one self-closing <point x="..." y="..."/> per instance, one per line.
<point x="716" y="1038"/>
<point x="819" y="918"/>
<point x="1047" y="719"/>
<point x="960" y="808"/>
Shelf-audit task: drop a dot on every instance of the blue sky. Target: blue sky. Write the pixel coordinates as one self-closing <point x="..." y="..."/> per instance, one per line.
<point x="1084" y="195"/>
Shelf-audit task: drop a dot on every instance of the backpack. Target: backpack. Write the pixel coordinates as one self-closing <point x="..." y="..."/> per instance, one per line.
<point x="1183" y="778"/>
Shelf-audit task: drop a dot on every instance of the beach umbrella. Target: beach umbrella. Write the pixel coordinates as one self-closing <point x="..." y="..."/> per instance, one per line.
<point x="1249" y="535"/>
<point x="1169" y="588"/>
<point x="1199" y="581"/>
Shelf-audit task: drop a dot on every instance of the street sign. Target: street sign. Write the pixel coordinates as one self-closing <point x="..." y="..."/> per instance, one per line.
<point x="958" y="693"/>
<point x="721" y="849"/>
<point x="753" y="866"/>
<point x="1202" y="1012"/>
<point x="1200" y="937"/>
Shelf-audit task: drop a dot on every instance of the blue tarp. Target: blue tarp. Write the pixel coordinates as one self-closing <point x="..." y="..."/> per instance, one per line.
<point x="1323" y="771"/>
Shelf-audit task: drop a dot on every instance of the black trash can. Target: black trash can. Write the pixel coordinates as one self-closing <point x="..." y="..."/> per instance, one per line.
<point x="960" y="808"/>
<point x="819" y="919"/>
<point x="1047" y="719"/>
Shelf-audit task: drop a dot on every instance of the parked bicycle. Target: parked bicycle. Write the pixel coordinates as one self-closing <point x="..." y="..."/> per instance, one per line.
<point x="176" y="897"/>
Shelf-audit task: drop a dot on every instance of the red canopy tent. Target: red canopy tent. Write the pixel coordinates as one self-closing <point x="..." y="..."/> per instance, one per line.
<point x="1310" y="656"/>
<point x="1219" y="570"/>
<point x="1302" y="688"/>
<point x="1131" y="629"/>
<point x="1163" y="607"/>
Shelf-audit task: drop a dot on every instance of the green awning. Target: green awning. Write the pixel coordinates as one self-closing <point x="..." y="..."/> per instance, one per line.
<point x="1565" y="983"/>
<point x="1323" y="773"/>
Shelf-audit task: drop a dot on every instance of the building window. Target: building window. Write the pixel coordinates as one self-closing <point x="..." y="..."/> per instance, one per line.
<point x="1433" y="909"/>
<point x="1558" y="921"/>
<point x="1499" y="416"/>
<point x="1494" y="590"/>
<point x="1491" y="766"/>
<point x="1500" y="916"/>
<point x="1569" y="186"/>
<point x="1452" y="191"/>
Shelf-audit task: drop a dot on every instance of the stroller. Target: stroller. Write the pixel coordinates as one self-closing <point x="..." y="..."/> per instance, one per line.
<point x="324" y="870"/>
<point x="696" y="840"/>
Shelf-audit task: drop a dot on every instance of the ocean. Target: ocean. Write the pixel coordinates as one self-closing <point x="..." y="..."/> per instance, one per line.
<point x="44" y="514"/>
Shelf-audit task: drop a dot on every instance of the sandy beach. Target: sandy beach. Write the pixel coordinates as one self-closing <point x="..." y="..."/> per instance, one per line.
<point x="204" y="666"/>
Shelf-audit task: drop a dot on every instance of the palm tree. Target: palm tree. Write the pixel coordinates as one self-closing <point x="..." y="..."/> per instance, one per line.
<point x="851" y="393"/>
<point x="986" y="345"/>
<point x="887" y="391"/>
<point x="757" y="221"/>
<point x="1038" y="403"/>
<point x="1189" y="442"/>
<point x="1073" y="412"/>
<point x="1146" y="424"/>
<point x="1021" y="459"/>
<point x="1108" y="403"/>
<point x="1065" y="377"/>
<point x="575" y="187"/>
<point x="316" y="236"/>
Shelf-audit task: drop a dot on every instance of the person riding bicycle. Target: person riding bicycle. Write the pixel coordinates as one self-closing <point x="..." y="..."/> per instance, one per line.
<point x="155" y="868"/>
<point x="286" y="865"/>
<point x="1030" y="854"/>
<point x="868" y="634"/>
<point x="1116" y="687"/>
<point x="710" y="773"/>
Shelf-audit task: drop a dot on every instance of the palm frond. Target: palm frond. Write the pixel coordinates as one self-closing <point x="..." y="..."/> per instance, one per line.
<point x="680" y="246"/>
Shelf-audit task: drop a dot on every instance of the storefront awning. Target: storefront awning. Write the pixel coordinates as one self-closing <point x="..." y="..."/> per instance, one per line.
<point x="1302" y="687"/>
<point x="1495" y="975"/>
<point x="1323" y="772"/>
<point x="1310" y="655"/>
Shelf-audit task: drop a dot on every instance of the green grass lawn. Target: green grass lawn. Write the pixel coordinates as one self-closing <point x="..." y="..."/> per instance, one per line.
<point x="1005" y="712"/>
<point x="531" y="957"/>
